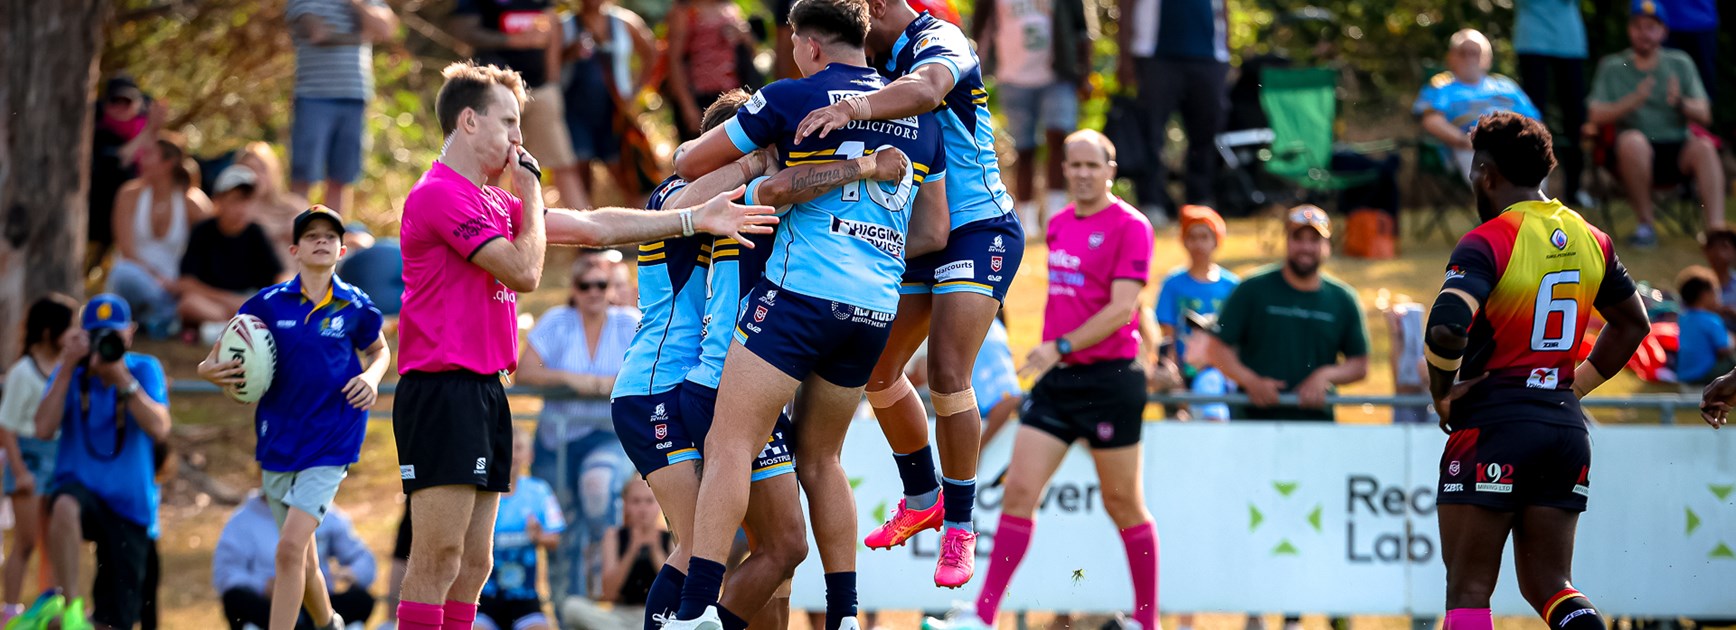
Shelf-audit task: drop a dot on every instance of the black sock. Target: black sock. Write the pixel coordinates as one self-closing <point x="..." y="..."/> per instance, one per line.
<point x="730" y="621"/>
<point x="840" y="597"/>
<point x="960" y="497"/>
<point x="704" y="582"/>
<point x="1570" y="610"/>
<point x="665" y="596"/>
<point x="916" y="470"/>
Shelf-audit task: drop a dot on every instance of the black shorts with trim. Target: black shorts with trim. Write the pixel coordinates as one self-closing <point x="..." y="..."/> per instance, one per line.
<point x="453" y="429"/>
<point x="122" y="551"/>
<point x="1103" y="403"/>
<point x="1506" y="466"/>
<point x="1666" y="162"/>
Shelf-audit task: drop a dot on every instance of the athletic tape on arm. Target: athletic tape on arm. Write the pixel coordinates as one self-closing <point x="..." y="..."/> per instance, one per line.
<point x="1449" y="319"/>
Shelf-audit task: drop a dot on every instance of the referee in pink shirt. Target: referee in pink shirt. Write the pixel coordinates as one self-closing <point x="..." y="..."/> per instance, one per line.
<point x="469" y="249"/>
<point x="1090" y="388"/>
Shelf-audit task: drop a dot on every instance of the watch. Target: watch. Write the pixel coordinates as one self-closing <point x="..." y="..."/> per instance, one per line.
<point x="131" y="388"/>
<point x="1063" y="346"/>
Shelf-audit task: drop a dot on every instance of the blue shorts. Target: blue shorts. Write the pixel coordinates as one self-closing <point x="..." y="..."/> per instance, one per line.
<point x="803" y="335"/>
<point x="652" y="431"/>
<point x="980" y="257"/>
<point x="699" y="408"/>
<point x="38" y="456"/>
<point x="325" y="139"/>
<point x="1054" y="106"/>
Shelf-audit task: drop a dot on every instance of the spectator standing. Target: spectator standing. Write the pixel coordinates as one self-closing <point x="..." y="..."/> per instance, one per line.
<point x="334" y="80"/>
<point x="580" y="346"/>
<point x="1652" y="94"/>
<point x="1042" y="55"/>
<point x="228" y="258"/>
<point x="525" y="36"/>
<point x="243" y="568"/>
<point x="632" y="555"/>
<point x="1293" y="329"/>
<point x="1705" y="349"/>
<point x="609" y="52"/>
<point x="29" y="461"/>
<point x="1549" y="36"/>
<point x="126" y="121"/>
<point x="274" y="207"/>
<point x="110" y="406"/>
<point x="1694" y="30"/>
<point x="1449" y="106"/>
<point x="1176" y="53"/>
<point x="530" y="519"/>
<point x="152" y="222"/>
<point x="706" y="41"/>
<point x="1199" y="288"/>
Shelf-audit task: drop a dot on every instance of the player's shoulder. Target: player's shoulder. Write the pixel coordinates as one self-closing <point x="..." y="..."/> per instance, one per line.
<point x="933" y="31"/>
<point x="664" y="190"/>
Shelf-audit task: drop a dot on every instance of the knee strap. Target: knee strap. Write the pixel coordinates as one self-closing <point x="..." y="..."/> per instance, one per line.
<point x="892" y="394"/>
<point x="954" y="403"/>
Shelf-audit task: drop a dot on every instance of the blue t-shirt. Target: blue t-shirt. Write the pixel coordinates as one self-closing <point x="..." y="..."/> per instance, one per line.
<point x="974" y="190"/>
<point x="671" y="303"/>
<point x="515" y="573"/>
<point x="846" y="246"/>
<point x="1691" y="15"/>
<point x="1463" y="103"/>
<point x="304" y="420"/>
<point x="994" y="376"/>
<point x="1192" y="29"/>
<point x="119" y="468"/>
<point x="1553" y="28"/>
<point x="1181" y="293"/>
<point x="1702" y="335"/>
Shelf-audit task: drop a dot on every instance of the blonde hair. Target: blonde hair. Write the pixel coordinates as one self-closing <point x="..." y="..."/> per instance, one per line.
<point x="271" y="169"/>
<point x="1094" y="137"/>
<point x="470" y="86"/>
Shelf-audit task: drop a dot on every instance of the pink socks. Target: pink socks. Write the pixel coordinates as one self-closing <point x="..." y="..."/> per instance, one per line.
<point x="419" y="616"/>
<point x="1141" y="543"/>
<point x="1012" y="539"/>
<point x="1469" y="619"/>
<point x="459" y="615"/>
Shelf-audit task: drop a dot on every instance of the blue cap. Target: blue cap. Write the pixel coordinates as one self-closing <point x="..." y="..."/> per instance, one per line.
<point x="107" y="310"/>
<point x="1649" y="8"/>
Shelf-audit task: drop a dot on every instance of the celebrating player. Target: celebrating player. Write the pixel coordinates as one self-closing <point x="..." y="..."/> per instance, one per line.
<point x="820" y="317"/>
<point x="1519" y="290"/>
<point x="686" y="283"/>
<point x="469" y="248"/>
<point x="950" y="296"/>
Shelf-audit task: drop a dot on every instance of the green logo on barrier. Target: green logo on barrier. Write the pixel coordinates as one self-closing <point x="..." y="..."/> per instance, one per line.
<point x="1720" y="550"/>
<point x="1286" y="491"/>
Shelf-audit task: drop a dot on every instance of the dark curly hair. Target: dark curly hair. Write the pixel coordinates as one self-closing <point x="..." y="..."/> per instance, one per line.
<point x="1519" y="147"/>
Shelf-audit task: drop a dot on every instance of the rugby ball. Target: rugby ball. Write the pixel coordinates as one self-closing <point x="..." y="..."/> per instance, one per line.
<point x="247" y="339"/>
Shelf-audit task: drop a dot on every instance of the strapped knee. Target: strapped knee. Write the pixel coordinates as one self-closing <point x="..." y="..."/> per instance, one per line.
<point x="892" y="394"/>
<point x="954" y="403"/>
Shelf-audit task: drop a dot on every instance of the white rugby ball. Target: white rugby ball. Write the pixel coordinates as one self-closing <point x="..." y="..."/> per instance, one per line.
<point x="247" y="339"/>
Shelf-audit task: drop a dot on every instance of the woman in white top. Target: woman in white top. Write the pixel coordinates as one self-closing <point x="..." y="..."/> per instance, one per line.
<point x="29" y="461"/>
<point x="580" y="346"/>
<point x="153" y="215"/>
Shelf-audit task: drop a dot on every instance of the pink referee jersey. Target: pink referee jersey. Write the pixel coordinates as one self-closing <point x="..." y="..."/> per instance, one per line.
<point x="456" y="315"/>
<point x="1086" y="256"/>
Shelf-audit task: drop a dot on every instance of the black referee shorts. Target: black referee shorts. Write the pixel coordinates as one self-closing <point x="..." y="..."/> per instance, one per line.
<point x="453" y="429"/>
<point x="1102" y="403"/>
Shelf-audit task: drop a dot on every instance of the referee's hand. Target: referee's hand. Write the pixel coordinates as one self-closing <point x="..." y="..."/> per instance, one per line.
<point x="722" y="217"/>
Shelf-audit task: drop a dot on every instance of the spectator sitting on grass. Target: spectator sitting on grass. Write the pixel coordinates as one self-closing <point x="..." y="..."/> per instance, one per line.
<point x="229" y="257"/>
<point x="632" y="555"/>
<point x="1451" y="103"/>
<point x="153" y="215"/>
<point x="1719" y="246"/>
<point x="1705" y="350"/>
<point x="243" y="566"/>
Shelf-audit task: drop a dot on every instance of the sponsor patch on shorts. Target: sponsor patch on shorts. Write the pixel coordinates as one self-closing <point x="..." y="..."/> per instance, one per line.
<point x="959" y="270"/>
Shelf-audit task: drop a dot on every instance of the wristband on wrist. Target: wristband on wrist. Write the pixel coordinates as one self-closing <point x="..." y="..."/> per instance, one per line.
<point x="687" y="222"/>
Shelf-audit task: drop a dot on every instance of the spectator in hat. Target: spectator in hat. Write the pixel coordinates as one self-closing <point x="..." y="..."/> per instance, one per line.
<point x="1292" y="329"/>
<point x="110" y="406"/>
<point x="1450" y="104"/>
<point x="1199" y="287"/>
<point x="1652" y="95"/>
<point x="229" y="257"/>
<point x="153" y="218"/>
<point x="126" y="122"/>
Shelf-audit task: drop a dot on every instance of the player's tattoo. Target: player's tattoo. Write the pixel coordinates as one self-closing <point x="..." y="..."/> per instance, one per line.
<point x="821" y="180"/>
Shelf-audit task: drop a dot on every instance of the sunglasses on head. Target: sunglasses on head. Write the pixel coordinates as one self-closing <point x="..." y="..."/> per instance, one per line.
<point x="1310" y="216"/>
<point x="591" y="286"/>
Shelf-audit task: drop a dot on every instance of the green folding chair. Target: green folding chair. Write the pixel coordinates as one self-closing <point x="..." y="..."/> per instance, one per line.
<point x="1301" y="104"/>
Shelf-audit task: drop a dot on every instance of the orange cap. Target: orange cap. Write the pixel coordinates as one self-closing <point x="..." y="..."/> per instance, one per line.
<point x="1195" y="215"/>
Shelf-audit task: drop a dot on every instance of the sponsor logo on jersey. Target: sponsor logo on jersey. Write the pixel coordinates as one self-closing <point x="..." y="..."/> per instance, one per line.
<point x="1496" y="478"/>
<point x="883" y="237"/>
<point x="286" y="323"/>
<point x="1558" y="239"/>
<point x="960" y="270"/>
<point x="1060" y="258"/>
<point x="757" y="103"/>
<point x="1095" y="240"/>
<point x="995" y="261"/>
<point x="1454" y="272"/>
<point x="407" y="471"/>
<point x="835" y="96"/>
<point x="1544" y="378"/>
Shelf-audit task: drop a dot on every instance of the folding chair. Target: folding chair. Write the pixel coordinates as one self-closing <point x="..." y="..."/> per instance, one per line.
<point x="1672" y="204"/>
<point x="1301" y="105"/>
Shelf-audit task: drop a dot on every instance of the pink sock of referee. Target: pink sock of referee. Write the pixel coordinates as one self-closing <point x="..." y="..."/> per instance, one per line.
<point x="1469" y="619"/>
<point x="1141" y="543"/>
<point x="459" y="615"/>
<point x="1012" y="540"/>
<point x="420" y="616"/>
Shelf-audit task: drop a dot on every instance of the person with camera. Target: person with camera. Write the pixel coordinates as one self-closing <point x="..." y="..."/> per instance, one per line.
<point x="110" y="406"/>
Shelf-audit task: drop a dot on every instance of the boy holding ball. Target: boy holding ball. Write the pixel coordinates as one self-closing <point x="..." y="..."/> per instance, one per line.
<point x="312" y="418"/>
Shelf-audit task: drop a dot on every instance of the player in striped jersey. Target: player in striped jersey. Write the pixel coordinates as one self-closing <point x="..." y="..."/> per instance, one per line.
<point x="1503" y="339"/>
<point x="664" y="442"/>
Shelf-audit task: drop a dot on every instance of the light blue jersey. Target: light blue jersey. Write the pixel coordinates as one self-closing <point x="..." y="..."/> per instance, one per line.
<point x="672" y="299"/>
<point x="847" y="246"/>
<point x="733" y="272"/>
<point x="974" y="191"/>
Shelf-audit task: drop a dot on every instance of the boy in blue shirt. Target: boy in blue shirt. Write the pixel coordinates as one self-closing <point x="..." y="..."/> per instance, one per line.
<point x="1704" y="349"/>
<point x="312" y="419"/>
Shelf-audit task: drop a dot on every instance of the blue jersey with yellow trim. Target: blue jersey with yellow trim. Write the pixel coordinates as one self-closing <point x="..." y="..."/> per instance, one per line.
<point x="847" y="245"/>
<point x="974" y="191"/>
<point x="672" y="300"/>
<point x="733" y="272"/>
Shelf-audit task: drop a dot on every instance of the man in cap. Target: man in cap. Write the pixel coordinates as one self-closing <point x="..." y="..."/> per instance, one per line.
<point x="229" y="256"/>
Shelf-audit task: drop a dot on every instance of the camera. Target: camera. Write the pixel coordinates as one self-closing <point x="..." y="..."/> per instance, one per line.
<point x="108" y="345"/>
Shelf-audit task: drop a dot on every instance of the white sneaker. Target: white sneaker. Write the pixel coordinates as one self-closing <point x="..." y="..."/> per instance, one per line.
<point x="849" y="623"/>
<point x="711" y="621"/>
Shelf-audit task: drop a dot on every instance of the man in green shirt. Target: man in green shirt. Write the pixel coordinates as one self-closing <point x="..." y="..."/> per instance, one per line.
<point x="1292" y="329"/>
<point x="1651" y="94"/>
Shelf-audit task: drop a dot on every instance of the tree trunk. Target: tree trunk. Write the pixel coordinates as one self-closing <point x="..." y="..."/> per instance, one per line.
<point x="47" y="70"/>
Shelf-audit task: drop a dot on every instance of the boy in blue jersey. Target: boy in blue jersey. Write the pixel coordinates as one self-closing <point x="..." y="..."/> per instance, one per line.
<point x="820" y="316"/>
<point x="950" y="296"/>
<point x="311" y="421"/>
<point x="684" y="285"/>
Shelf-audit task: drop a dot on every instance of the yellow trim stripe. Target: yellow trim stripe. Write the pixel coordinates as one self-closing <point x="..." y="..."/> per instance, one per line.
<point x="1441" y="363"/>
<point x="651" y="247"/>
<point x="740" y="333"/>
<point x="316" y="307"/>
<point x="980" y="101"/>
<point x="978" y="91"/>
<point x="725" y="242"/>
<point x="965" y="283"/>
<point x="803" y="154"/>
<point x="918" y="179"/>
<point x="682" y="451"/>
<point x="653" y="257"/>
<point x="920" y="167"/>
<point x="724" y="253"/>
<point x="1549" y="611"/>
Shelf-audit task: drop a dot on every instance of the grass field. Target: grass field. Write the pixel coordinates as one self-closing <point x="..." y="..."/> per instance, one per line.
<point x="214" y="439"/>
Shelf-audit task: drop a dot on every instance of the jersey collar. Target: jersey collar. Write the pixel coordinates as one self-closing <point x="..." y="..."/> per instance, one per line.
<point x="915" y="27"/>
<point x="338" y="295"/>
